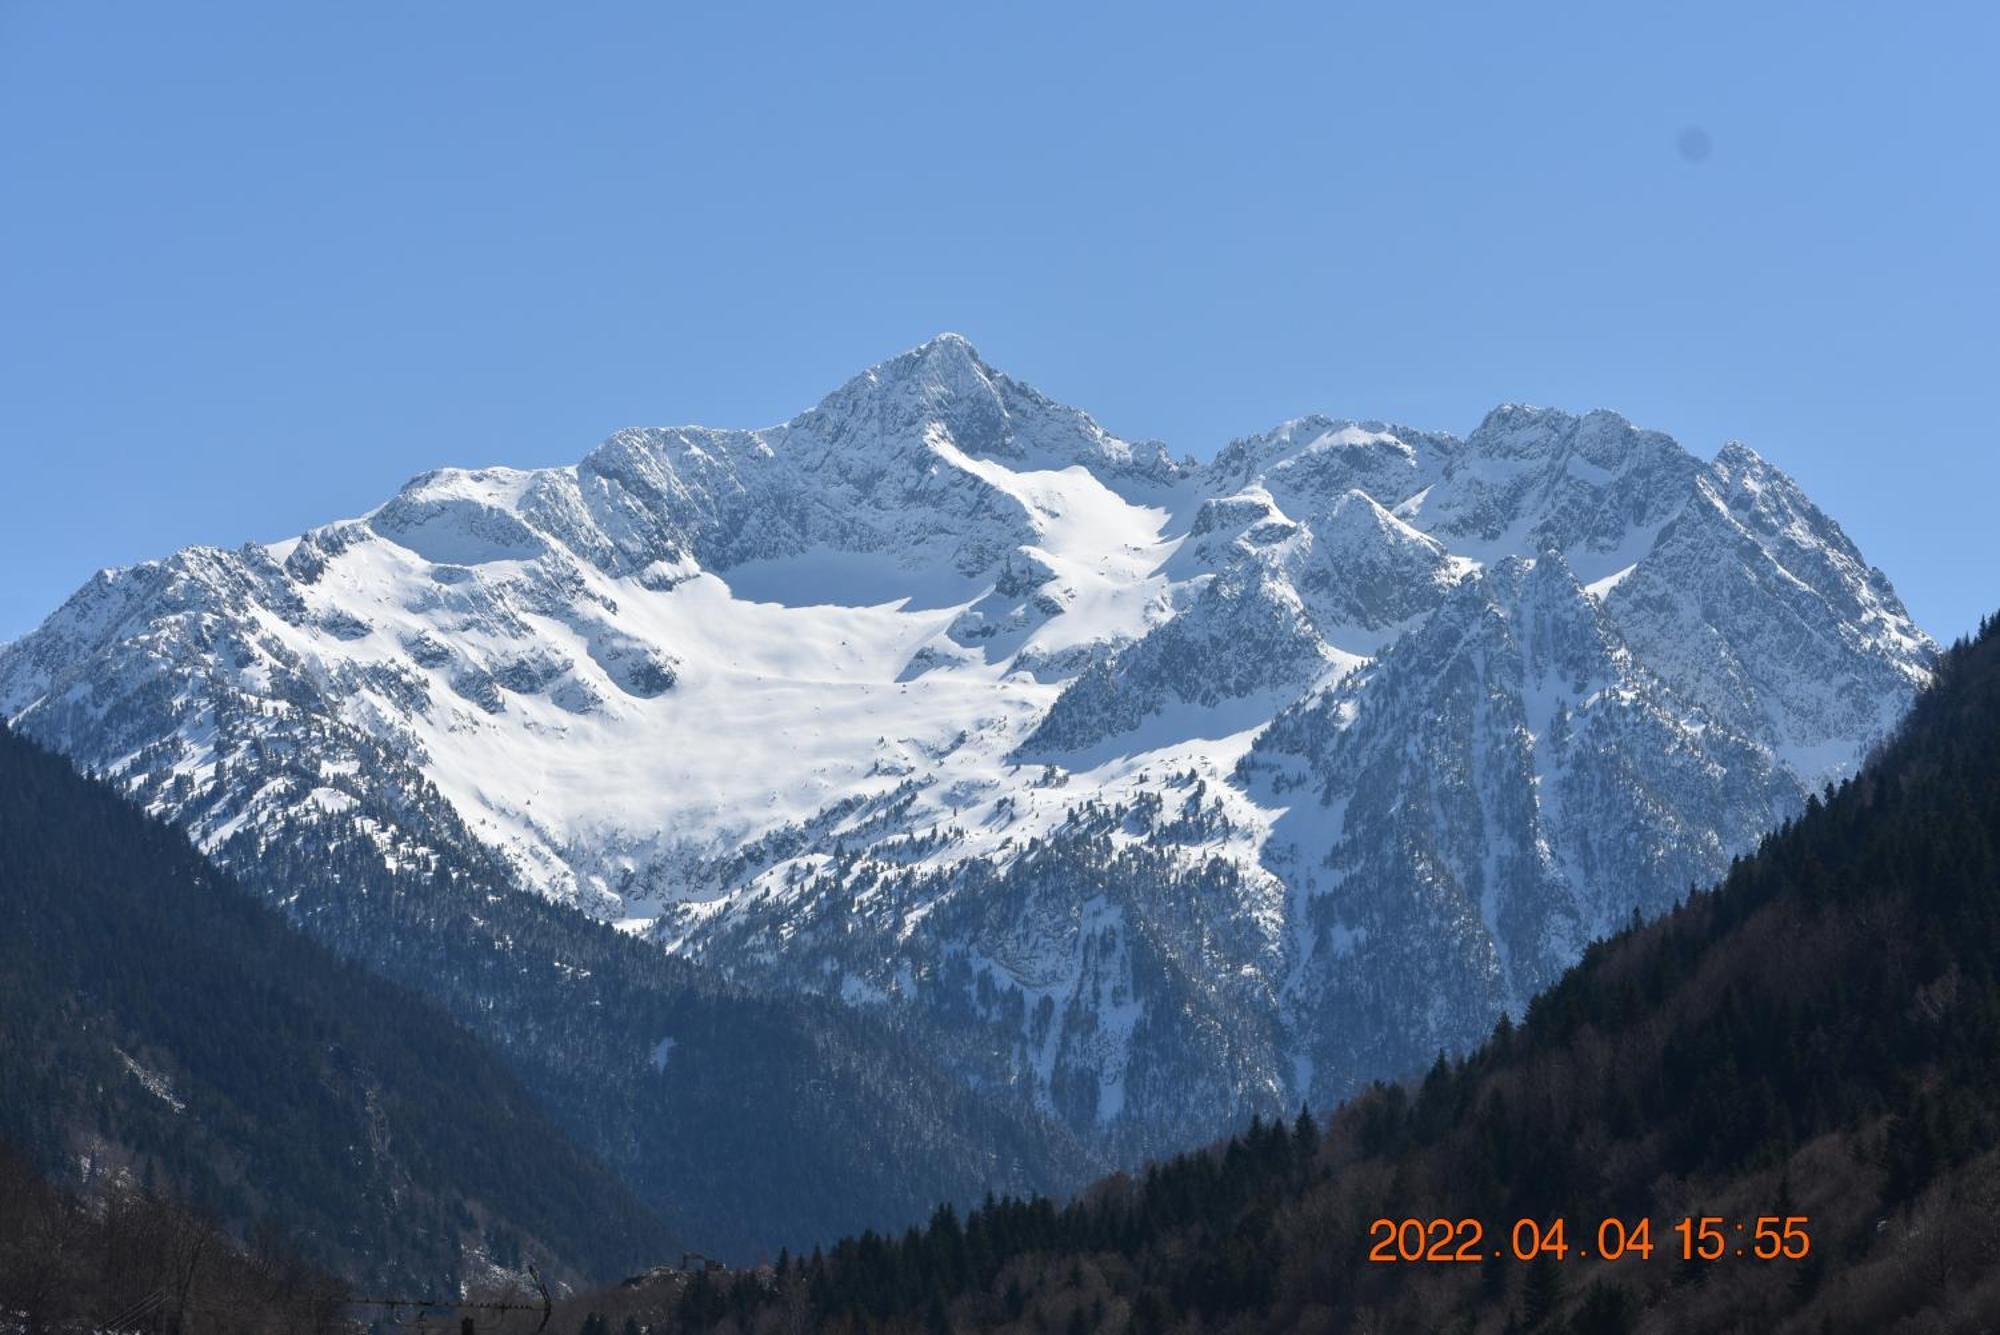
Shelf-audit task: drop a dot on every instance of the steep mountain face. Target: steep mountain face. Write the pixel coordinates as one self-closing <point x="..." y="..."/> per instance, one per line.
<point x="1502" y="786"/>
<point x="1153" y="792"/>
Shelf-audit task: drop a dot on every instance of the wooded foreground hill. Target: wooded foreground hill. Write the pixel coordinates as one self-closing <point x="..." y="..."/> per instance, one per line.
<point x="1817" y="1037"/>
<point x="160" y="1028"/>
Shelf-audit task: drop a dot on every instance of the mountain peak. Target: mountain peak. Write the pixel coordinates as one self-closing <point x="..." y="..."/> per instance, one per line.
<point x="1736" y="459"/>
<point x="1357" y="515"/>
<point x="947" y="361"/>
<point x="942" y="388"/>
<point x="1519" y="430"/>
<point x="1514" y="416"/>
<point x="949" y="340"/>
<point x="941" y="367"/>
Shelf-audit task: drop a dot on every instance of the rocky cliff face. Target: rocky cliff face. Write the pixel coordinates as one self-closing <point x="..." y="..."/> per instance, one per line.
<point x="1163" y="791"/>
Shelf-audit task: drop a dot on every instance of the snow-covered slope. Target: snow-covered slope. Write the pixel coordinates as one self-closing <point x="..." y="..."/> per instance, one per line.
<point x="1178" y="789"/>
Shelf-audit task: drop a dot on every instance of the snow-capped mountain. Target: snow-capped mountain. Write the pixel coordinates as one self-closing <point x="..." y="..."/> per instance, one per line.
<point x="1172" y="789"/>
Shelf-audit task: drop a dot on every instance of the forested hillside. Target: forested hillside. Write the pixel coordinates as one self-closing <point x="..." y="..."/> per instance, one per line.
<point x="1816" y="1039"/>
<point x="748" y="1122"/>
<point x="127" y="1259"/>
<point x="160" y="1027"/>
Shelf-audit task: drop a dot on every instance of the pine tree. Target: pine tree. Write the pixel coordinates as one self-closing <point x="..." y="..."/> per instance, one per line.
<point x="1305" y="1137"/>
<point x="1606" y="1310"/>
<point x="1541" y="1292"/>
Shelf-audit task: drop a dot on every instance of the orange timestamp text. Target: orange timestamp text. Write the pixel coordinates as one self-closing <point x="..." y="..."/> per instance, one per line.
<point x="1691" y="1238"/>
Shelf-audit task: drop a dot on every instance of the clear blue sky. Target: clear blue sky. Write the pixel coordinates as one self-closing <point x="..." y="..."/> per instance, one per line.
<point x="259" y="263"/>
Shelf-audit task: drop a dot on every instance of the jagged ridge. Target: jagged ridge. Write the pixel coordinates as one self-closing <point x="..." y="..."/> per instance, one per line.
<point x="1118" y="771"/>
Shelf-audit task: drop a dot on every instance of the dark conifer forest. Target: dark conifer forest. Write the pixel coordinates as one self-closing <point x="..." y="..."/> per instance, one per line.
<point x="127" y="1259"/>
<point x="161" y="1031"/>
<point x="1818" y="1038"/>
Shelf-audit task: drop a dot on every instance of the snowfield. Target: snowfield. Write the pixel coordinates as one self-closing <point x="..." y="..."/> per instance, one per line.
<point x="1186" y="789"/>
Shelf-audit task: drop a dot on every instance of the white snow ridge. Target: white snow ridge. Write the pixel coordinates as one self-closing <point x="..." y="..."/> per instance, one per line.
<point x="1194" y="789"/>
